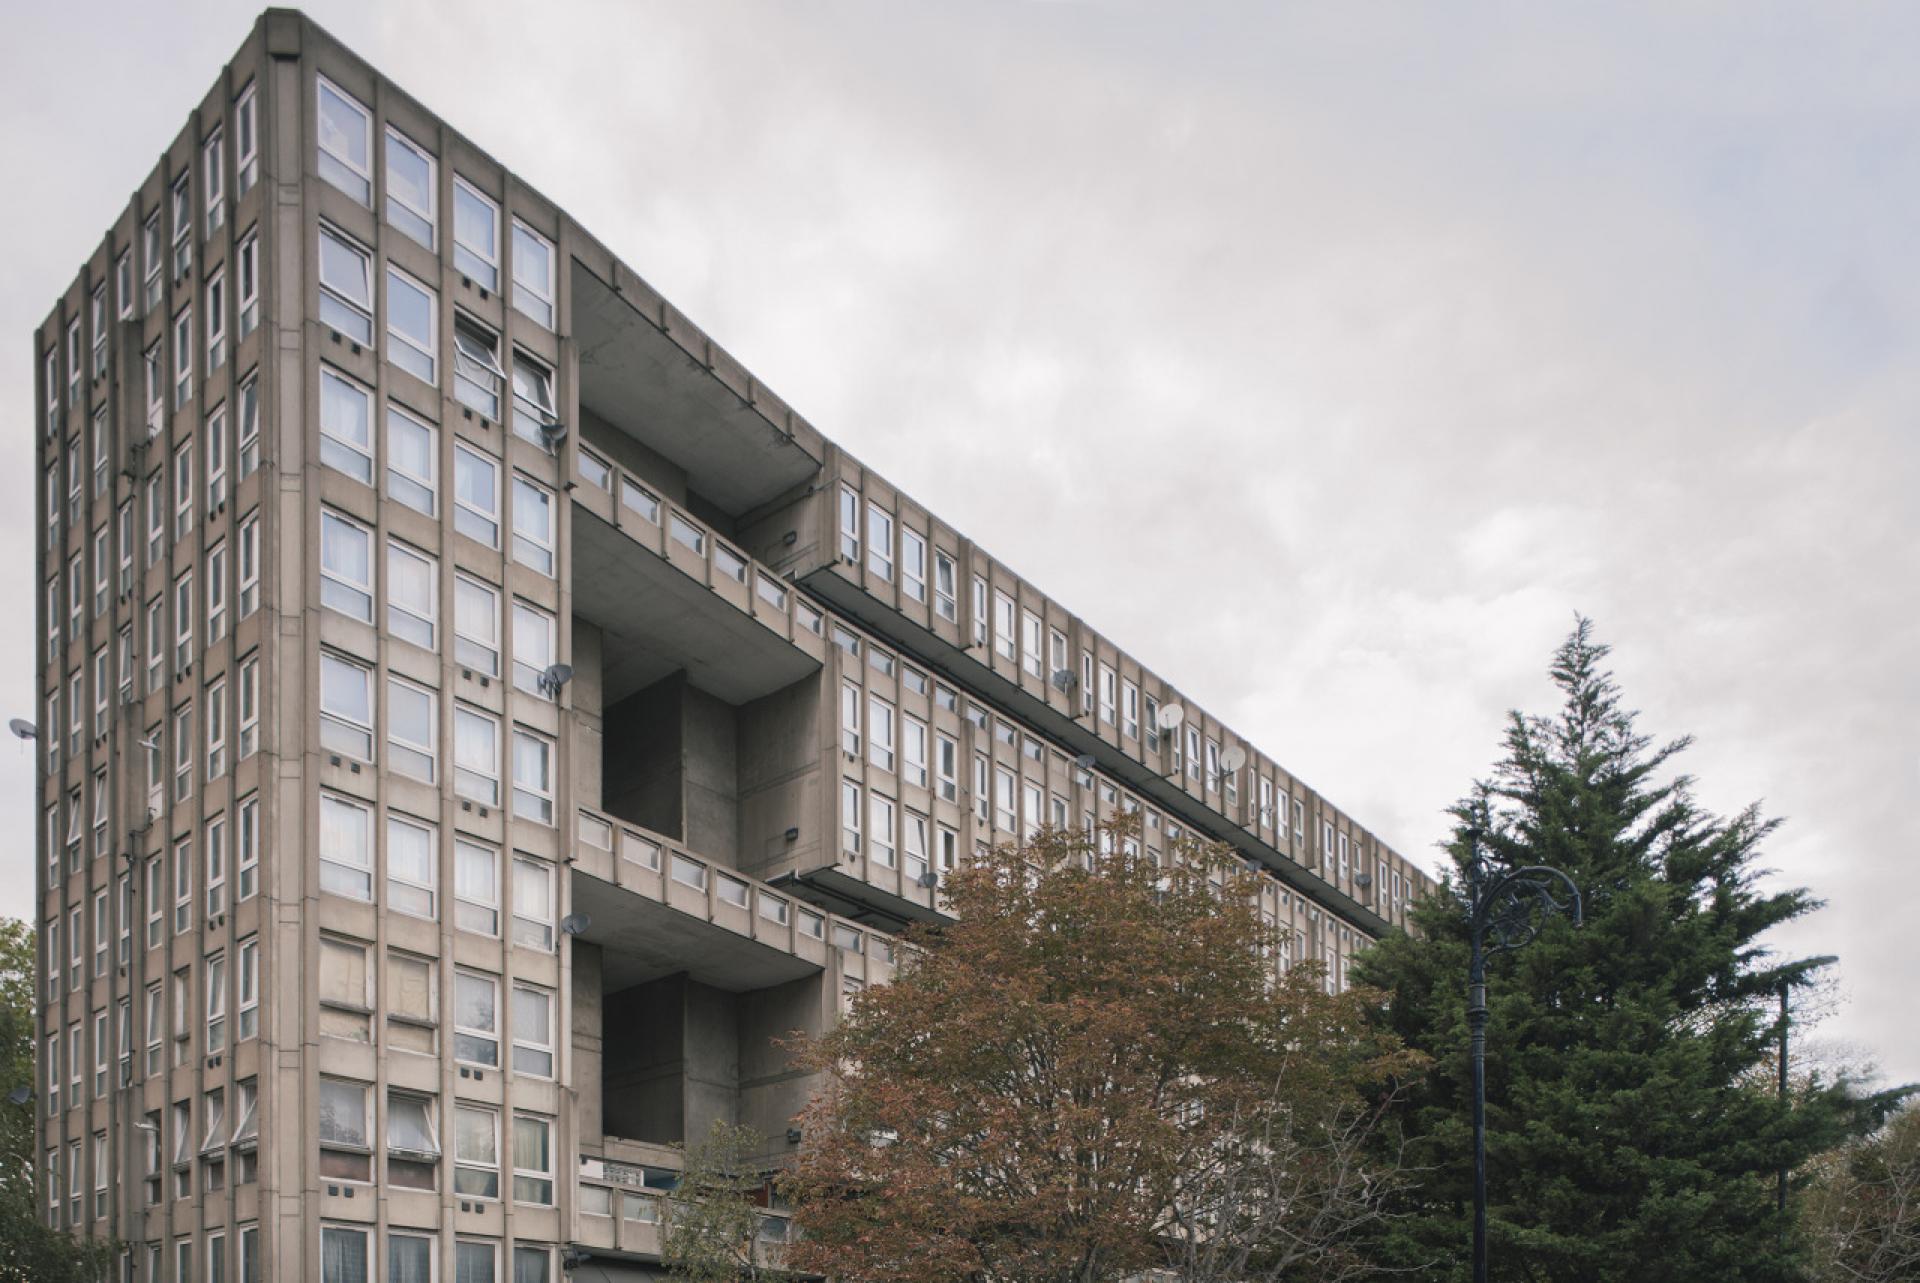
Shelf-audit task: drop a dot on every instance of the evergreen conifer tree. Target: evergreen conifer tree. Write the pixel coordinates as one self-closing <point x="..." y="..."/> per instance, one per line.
<point x="1633" y="1130"/>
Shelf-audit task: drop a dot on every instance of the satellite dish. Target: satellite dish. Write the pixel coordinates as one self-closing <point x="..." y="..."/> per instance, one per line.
<point x="1063" y="679"/>
<point x="1084" y="761"/>
<point x="556" y="676"/>
<point x="575" y="924"/>
<point x="23" y="728"/>
<point x="1363" y="880"/>
<point x="929" y="879"/>
<point x="552" y="434"/>
<point x="1170" y="716"/>
<point x="1233" y="759"/>
<point x="20" y="1095"/>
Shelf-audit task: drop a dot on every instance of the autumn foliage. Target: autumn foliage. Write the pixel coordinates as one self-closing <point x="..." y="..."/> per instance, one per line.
<point x="1095" y="1070"/>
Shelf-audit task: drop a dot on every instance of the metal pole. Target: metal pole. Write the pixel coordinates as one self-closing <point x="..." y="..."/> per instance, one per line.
<point x="1477" y="1028"/>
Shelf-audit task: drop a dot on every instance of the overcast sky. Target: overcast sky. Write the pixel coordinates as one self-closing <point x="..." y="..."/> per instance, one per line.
<point x="1327" y="357"/>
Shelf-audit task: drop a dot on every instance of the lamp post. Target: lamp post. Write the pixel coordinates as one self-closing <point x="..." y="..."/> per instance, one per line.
<point x="1505" y="910"/>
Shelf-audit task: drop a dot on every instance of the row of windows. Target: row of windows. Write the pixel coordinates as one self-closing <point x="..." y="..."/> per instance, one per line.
<point x="245" y="856"/>
<point x="412" y="1147"/>
<point x="346" y="160"/>
<point x="895" y="550"/>
<point x="415" y="855"/>
<point x="224" y="990"/>
<point x="902" y="744"/>
<point x="347" y="304"/>
<point x="159" y="251"/>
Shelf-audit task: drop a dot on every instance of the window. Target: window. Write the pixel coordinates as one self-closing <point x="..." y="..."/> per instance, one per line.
<point x="216" y="1009"/>
<point x="411" y="723"/>
<point x="410" y="461"/>
<point x="532" y="1162"/>
<point x="881" y="830"/>
<point x="249" y="564"/>
<point x="182" y="491"/>
<point x="248" y="841"/>
<point x="880" y="733"/>
<point x="346" y="991"/>
<point x="410" y="866"/>
<point x="476" y="235"/>
<point x="689" y="872"/>
<point x="850" y="719"/>
<point x="182" y="203"/>
<point x="412" y="1004"/>
<point x="412" y="599"/>
<point x="246" y="156"/>
<point x="980" y="612"/>
<point x="346" y="848"/>
<point x="1003" y="611"/>
<point x="947" y="757"/>
<point x="413" y="1146"/>
<point x="123" y="283"/>
<point x="249" y="427"/>
<point x="476" y="625"/>
<point x="475" y="1262"/>
<point x="248" y="270"/>
<point x="216" y="866"/>
<point x="685" y="532"/>
<point x="533" y="525"/>
<point x="346" y="286"/>
<point x="477" y="376"/>
<point x="1130" y="710"/>
<point x="913" y="743"/>
<point x="153" y="365"/>
<point x="1031" y="658"/>
<point x="913" y="563"/>
<point x="182" y="752"/>
<point x="216" y="458"/>
<point x="533" y="403"/>
<point x="346" y="566"/>
<point x="533" y="644"/>
<point x="99" y="447"/>
<point x="532" y="1031"/>
<point x="476" y="1023"/>
<point x="476" y="496"/>
<point x="879" y="542"/>
<point x="154" y="258"/>
<point x="346" y="706"/>
<point x="850" y="817"/>
<point x="532" y="776"/>
<point x="343" y="1254"/>
<point x="1004" y="815"/>
<point x="533" y="273"/>
<point x="249" y="983"/>
<point x="155" y="1010"/>
<point x="411" y="327"/>
<point x="410" y="187"/>
<point x="346" y="143"/>
<point x="849" y="524"/>
<point x="216" y="321"/>
<point x="533" y="903"/>
<point x="476" y="1153"/>
<point x="183" y="339"/>
<point x="346" y="426"/>
<point x="476" y="756"/>
<point x="476" y="888"/>
<point x="346" y="1151"/>
<point x="1109" y="698"/>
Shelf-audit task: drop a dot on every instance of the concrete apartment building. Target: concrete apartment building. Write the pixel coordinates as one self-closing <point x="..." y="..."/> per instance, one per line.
<point x="479" y="716"/>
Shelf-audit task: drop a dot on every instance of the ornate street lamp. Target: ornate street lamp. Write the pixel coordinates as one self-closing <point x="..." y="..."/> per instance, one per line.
<point x="1505" y="910"/>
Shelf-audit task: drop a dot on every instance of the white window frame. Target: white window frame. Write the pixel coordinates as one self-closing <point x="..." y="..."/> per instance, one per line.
<point x="353" y="177"/>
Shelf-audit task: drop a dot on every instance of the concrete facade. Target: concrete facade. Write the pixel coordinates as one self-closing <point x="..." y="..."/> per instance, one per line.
<point x="366" y="938"/>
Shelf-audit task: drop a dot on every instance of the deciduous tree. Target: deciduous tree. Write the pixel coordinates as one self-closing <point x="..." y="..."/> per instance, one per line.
<point x="1080" y="1078"/>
